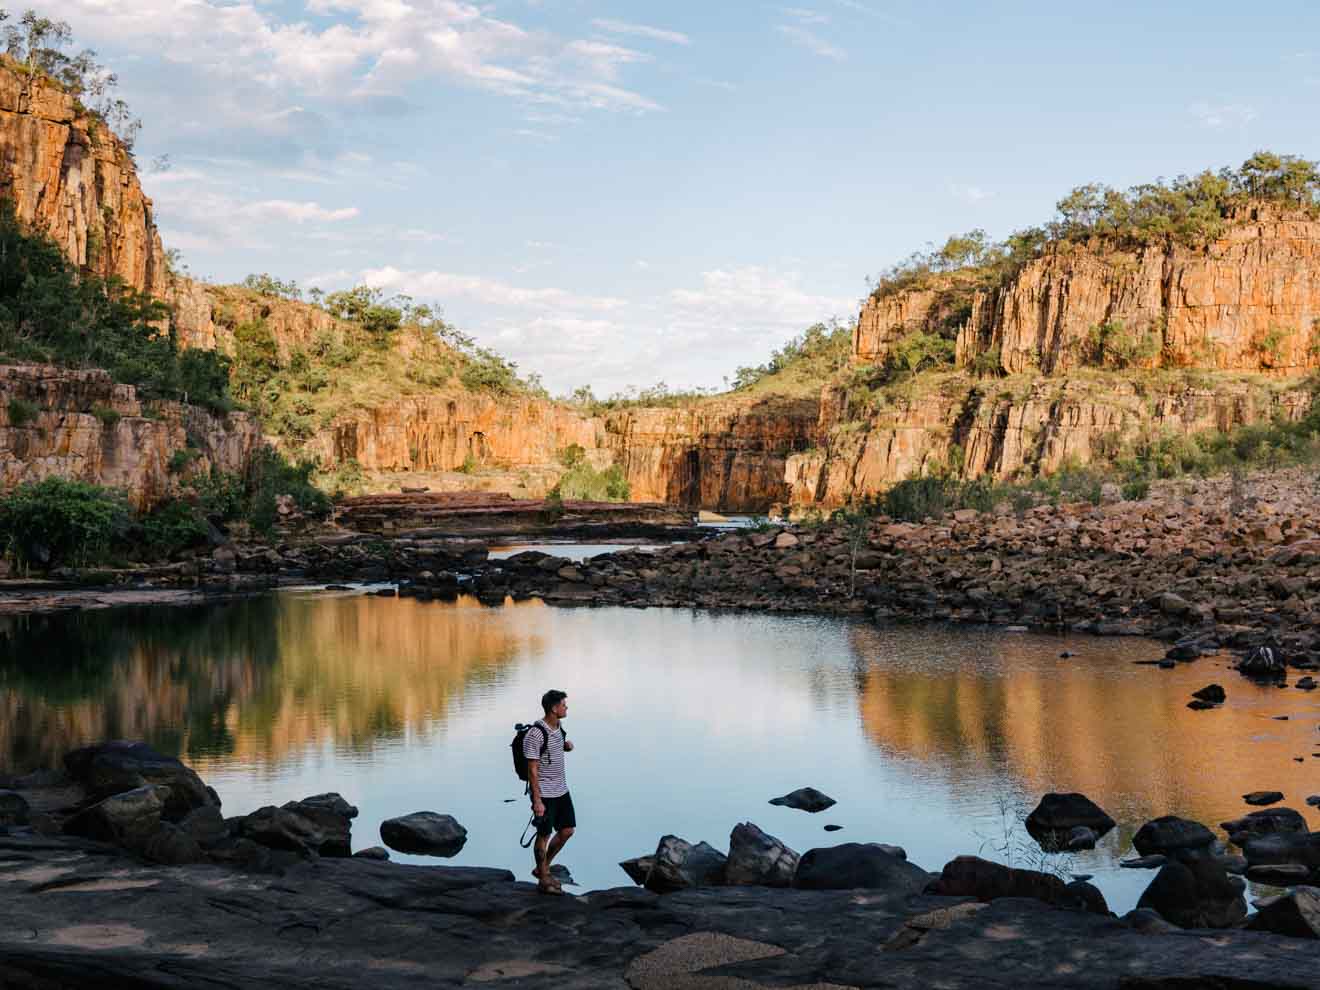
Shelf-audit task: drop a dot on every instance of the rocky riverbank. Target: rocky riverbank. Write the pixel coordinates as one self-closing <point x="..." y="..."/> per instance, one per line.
<point x="121" y="871"/>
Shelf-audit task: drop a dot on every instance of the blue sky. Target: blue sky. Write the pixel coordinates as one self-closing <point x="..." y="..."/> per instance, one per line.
<point x="623" y="193"/>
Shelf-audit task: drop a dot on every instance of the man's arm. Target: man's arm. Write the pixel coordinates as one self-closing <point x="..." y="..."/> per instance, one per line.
<point x="534" y="781"/>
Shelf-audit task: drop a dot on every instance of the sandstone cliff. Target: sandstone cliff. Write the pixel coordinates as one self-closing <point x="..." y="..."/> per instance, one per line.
<point x="69" y="176"/>
<point x="80" y="424"/>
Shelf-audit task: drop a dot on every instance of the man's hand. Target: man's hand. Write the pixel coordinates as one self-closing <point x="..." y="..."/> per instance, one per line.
<point x="538" y="808"/>
<point x="568" y="746"/>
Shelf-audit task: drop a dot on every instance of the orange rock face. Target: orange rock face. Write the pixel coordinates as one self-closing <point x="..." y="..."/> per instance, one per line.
<point x="89" y="428"/>
<point x="70" y="177"/>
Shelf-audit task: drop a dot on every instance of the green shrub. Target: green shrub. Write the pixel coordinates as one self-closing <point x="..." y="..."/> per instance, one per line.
<point x="172" y="527"/>
<point x="1135" y="491"/>
<point x="269" y="475"/>
<point x="469" y="464"/>
<point x="582" y="481"/>
<point x="22" y="412"/>
<point x="60" y="522"/>
<point x="108" y="417"/>
<point x="182" y="458"/>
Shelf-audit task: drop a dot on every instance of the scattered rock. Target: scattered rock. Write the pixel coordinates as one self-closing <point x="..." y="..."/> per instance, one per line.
<point x="1195" y="893"/>
<point x="1147" y="922"/>
<point x="1284" y="847"/>
<point x="424" y="832"/>
<point x="372" y="852"/>
<point x="1264" y="822"/>
<point x="1213" y="693"/>
<point x="1314" y="800"/>
<point x="678" y="865"/>
<point x="1171" y="834"/>
<point x="172" y="845"/>
<point x="279" y="828"/>
<point x="1263" y="663"/>
<point x="855" y="864"/>
<point x="114" y="767"/>
<point x="333" y="816"/>
<point x="128" y="819"/>
<point x="1054" y="821"/>
<point x="1279" y="874"/>
<point x="1296" y="913"/>
<point x="1307" y="683"/>
<point x="805" y="799"/>
<point x="971" y="876"/>
<point x="1260" y="798"/>
<point x="1201" y="705"/>
<point x="1151" y="862"/>
<point x="758" y="858"/>
<point x="833" y="828"/>
<point x="638" y="869"/>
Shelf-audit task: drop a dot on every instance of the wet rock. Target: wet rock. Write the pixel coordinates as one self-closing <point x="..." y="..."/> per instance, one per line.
<point x="206" y="826"/>
<point x="424" y="832"/>
<point x="678" y="864"/>
<point x="1147" y="922"/>
<point x="126" y="819"/>
<point x="1080" y="838"/>
<point x="971" y="876"/>
<point x="172" y="845"/>
<point x="333" y="816"/>
<point x="1054" y="819"/>
<point x="833" y="828"/>
<point x="805" y="799"/>
<point x="1306" y="684"/>
<point x="1263" y="663"/>
<point x="855" y="864"/>
<point x="638" y="869"/>
<point x="113" y="767"/>
<point x="373" y="852"/>
<point x="1264" y="822"/>
<point x="1314" y="800"/>
<point x="1151" y="862"/>
<point x="1183" y="652"/>
<point x="1284" y="847"/>
<point x="1195" y="893"/>
<point x="279" y="828"/>
<point x="13" y="809"/>
<point x="1201" y="705"/>
<point x="1170" y="834"/>
<point x="1279" y="874"/>
<point x="1213" y="693"/>
<point x="758" y="858"/>
<point x="1296" y="913"/>
<point x="1261" y="798"/>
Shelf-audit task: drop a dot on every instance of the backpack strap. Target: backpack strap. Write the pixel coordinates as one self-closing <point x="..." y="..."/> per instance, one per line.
<point x="545" y="738"/>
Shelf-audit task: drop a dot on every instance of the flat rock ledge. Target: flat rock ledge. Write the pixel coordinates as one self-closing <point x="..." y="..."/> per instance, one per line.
<point x="77" y="913"/>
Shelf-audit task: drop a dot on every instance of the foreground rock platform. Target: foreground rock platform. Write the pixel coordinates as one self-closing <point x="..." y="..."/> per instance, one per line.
<point x="75" y="913"/>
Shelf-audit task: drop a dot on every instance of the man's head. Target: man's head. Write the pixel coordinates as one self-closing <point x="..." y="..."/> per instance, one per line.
<point x="555" y="703"/>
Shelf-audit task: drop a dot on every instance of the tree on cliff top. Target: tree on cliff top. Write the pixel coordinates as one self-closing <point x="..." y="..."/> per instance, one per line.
<point x="37" y="44"/>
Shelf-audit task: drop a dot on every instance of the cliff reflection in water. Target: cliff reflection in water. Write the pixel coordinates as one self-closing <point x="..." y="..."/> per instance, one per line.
<point x="249" y="681"/>
<point x="986" y="710"/>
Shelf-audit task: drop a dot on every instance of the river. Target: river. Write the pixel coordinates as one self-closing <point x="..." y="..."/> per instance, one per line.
<point x="686" y="722"/>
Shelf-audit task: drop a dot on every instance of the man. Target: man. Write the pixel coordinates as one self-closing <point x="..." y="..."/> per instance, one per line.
<point x="544" y="746"/>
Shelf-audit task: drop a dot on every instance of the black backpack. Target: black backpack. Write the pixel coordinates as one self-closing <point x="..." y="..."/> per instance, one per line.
<point x="519" y="735"/>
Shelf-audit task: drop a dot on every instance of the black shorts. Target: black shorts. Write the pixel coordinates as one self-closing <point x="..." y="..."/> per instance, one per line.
<point x="558" y="815"/>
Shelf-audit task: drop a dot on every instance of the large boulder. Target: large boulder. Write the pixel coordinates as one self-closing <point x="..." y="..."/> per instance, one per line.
<point x="206" y="826"/>
<point x="1196" y="892"/>
<point x="1264" y="663"/>
<point x="638" y="869"/>
<point x="279" y="828"/>
<point x="1053" y="821"/>
<point x="857" y="864"/>
<point x="13" y="809"/>
<point x="758" y="858"/>
<point x="1284" y="847"/>
<point x="114" y="767"/>
<point x="805" y="799"/>
<point x="678" y="865"/>
<point x="972" y="876"/>
<point x="1171" y="834"/>
<point x="425" y="832"/>
<point x="128" y="819"/>
<point x="1264" y="822"/>
<point x="333" y="816"/>
<point x="172" y="845"/>
<point x="1296" y="913"/>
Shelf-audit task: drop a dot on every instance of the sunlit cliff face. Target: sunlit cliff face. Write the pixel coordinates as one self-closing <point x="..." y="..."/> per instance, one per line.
<point x="1117" y="731"/>
<point x="251" y="683"/>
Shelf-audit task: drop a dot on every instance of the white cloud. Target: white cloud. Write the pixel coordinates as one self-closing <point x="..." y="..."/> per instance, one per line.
<point x="969" y="194"/>
<point x="755" y="295"/>
<point x="806" y="16"/>
<point x="641" y="31"/>
<point x="813" y="43"/>
<point x="292" y="212"/>
<point x="1223" y="115"/>
<point x="493" y="292"/>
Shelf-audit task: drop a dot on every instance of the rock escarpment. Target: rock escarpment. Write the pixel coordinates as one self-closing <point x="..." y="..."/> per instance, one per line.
<point x="69" y="176"/>
<point x="57" y="422"/>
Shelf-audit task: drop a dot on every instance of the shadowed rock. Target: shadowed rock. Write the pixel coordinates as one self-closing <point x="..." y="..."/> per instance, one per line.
<point x="678" y="864"/>
<point x="1296" y="913"/>
<point x="1053" y="820"/>
<point x="1171" y="834"/>
<point x="13" y="809"/>
<point x="805" y="799"/>
<point x="1261" y="798"/>
<point x="972" y="876"/>
<point x="1212" y="693"/>
<point x="128" y="819"/>
<point x="856" y="864"/>
<point x="114" y="767"/>
<point x="424" y="832"/>
<point x="758" y="858"/>
<point x="1265" y="822"/>
<point x="1196" y="893"/>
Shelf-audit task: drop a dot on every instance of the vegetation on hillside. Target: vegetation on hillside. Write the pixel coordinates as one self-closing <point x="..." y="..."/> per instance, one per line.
<point x="581" y="480"/>
<point x="52" y="313"/>
<point x="802" y="364"/>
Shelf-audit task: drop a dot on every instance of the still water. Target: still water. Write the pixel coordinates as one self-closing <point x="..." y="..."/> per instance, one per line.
<point x="936" y="739"/>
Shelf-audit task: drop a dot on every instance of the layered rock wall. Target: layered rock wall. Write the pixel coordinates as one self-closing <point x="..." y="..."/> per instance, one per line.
<point x="69" y="176"/>
<point x="1247" y="301"/>
<point x="56" y="422"/>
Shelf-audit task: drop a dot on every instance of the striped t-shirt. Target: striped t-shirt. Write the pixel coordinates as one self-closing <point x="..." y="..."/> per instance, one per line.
<point x="554" y="782"/>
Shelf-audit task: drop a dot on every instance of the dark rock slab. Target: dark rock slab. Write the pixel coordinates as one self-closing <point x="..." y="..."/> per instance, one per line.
<point x="758" y="858"/>
<point x="858" y="865"/>
<point x="1213" y="693"/>
<point x="126" y="819"/>
<point x="805" y="799"/>
<point x="379" y="853"/>
<point x="1279" y="874"/>
<point x="971" y="876"/>
<point x="1195" y="893"/>
<point x="1295" y="913"/>
<point x="1264" y="822"/>
<point x="1262" y="798"/>
<point x="13" y="809"/>
<point x="279" y="828"/>
<point x="1284" y="847"/>
<point x="638" y="869"/>
<point x="1171" y="834"/>
<point x="425" y="832"/>
<point x="333" y="816"/>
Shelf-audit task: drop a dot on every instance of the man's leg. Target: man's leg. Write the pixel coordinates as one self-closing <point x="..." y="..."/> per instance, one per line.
<point x="556" y="844"/>
<point x="542" y="869"/>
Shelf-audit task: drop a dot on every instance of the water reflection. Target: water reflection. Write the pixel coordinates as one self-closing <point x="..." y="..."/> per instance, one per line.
<point x="685" y="721"/>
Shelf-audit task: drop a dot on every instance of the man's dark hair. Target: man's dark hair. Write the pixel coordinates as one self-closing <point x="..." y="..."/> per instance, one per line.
<point x="552" y="698"/>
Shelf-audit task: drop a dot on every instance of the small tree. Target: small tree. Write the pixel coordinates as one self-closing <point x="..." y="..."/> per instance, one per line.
<point x="856" y="523"/>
